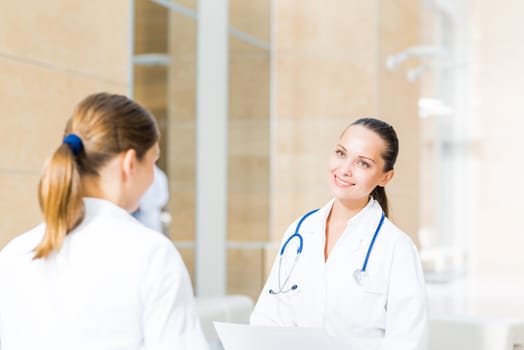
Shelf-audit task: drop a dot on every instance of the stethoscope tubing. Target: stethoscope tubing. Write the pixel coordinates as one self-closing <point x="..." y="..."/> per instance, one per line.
<point x="297" y="234"/>
<point x="370" y="248"/>
<point x="358" y="273"/>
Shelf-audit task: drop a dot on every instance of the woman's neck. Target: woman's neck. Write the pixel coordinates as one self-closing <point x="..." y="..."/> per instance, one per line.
<point x="93" y="186"/>
<point x="336" y="222"/>
<point x="345" y="211"/>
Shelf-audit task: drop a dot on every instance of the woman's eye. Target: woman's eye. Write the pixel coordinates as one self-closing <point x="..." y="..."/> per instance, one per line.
<point x="363" y="164"/>
<point x="339" y="153"/>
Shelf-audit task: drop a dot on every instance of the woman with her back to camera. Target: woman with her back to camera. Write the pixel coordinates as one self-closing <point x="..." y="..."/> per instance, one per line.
<point x="91" y="276"/>
<point x="345" y="267"/>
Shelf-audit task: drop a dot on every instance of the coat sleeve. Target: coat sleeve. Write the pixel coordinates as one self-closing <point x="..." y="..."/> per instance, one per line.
<point x="169" y="319"/>
<point x="407" y="309"/>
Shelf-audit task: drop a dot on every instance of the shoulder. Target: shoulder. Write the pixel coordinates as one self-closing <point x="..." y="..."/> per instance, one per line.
<point x="24" y="243"/>
<point x="399" y="255"/>
<point x="159" y="259"/>
<point x="397" y="238"/>
<point x="131" y="246"/>
<point x="141" y="236"/>
<point x="120" y="233"/>
<point x="155" y="245"/>
<point x="309" y="221"/>
<point x="156" y="242"/>
<point x="389" y="234"/>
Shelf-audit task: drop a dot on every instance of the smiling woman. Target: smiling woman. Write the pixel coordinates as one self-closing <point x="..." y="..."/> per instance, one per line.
<point x="91" y="276"/>
<point x="359" y="276"/>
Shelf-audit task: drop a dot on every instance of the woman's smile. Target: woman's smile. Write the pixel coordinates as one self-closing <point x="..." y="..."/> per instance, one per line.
<point x="342" y="183"/>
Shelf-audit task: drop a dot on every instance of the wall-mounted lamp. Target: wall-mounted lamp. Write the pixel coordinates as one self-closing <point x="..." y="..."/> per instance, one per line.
<point x="423" y="51"/>
<point x="428" y="106"/>
<point x="428" y="51"/>
<point x="413" y="74"/>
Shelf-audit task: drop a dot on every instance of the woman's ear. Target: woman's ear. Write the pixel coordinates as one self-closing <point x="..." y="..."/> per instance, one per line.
<point x="129" y="162"/>
<point x="388" y="175"/>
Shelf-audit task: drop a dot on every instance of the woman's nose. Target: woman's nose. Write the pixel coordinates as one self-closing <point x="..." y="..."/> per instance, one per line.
<point x="346" y="167"/>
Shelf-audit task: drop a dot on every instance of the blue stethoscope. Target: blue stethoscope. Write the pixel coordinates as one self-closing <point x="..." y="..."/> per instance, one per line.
<point x="359" y="274"/>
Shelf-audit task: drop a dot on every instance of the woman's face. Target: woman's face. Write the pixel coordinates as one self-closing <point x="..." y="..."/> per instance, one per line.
<point x="144" y="175"/>
<point x="356" y="166"/>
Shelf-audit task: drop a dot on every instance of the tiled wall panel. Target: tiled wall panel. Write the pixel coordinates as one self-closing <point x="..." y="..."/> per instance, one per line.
<point x="46" y="70"/>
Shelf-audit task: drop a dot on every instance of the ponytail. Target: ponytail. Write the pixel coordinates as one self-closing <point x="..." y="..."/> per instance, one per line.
<point x="379" y="194"/>
<point x="102" y="126"/>
<point x="60" y="200"/>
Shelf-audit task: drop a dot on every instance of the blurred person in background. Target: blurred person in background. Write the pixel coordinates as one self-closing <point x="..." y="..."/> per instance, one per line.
<point x="153" y="201"/>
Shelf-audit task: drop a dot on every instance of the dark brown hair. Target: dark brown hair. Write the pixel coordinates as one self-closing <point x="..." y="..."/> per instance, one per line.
<point x="107" y="125"/>
<point x="388" y="134"/>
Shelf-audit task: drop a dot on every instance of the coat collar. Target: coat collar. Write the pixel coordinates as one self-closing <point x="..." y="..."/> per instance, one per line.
<point x="369" y="215"/>
<point x="97" y="207"/>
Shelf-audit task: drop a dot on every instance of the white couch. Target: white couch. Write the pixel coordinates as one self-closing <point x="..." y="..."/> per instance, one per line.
<point x="227" y="308"/>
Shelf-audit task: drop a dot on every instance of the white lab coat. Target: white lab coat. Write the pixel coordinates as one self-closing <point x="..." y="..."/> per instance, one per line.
<point x="115" y="284"/>
<point x="153" y="200"/>
<point x="389" y="311"/>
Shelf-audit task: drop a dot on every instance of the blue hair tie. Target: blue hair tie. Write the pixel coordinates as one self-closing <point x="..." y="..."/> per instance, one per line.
<point x="75" y="142"/>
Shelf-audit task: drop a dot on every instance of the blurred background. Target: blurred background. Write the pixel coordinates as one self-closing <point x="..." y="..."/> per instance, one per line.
<point x="251" y="97"/>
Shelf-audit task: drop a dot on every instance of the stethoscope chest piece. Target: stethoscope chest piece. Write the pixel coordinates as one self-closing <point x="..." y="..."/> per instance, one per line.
<point x="360" y="276"/>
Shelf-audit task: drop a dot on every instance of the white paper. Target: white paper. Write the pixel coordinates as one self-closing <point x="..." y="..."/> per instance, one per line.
<point x="241" y="337"/>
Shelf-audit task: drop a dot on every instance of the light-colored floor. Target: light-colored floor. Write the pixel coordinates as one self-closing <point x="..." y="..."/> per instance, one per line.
<point x="478" y="312"/>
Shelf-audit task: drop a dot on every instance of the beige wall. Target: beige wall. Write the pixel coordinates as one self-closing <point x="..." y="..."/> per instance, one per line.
<point x="249" y="145"/>
<point x="52" y="54"/>
<point x="248" y="140"/>
<point x="151" y="82"/>
<point x="329" y="69"/>
<point x="497" y="89"/>
<point x="181" y="150"/>
<point x="399" y="28"/>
